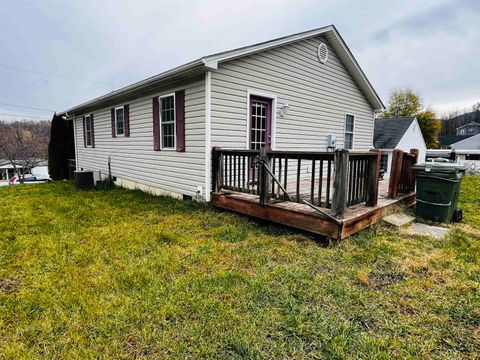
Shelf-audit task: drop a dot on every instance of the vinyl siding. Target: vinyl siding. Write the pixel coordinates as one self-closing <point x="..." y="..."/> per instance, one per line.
<point x="413" y="139"/>
<point x="318" y="95"/>
<point x="133" y="158"/>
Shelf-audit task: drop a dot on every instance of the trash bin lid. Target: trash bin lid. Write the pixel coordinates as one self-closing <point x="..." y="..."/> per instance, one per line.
<point x="439" y="167"/>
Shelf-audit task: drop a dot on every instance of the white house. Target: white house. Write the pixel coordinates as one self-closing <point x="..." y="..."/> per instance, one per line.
<point x="291" y="93"/>
<point x="402" y="133"/>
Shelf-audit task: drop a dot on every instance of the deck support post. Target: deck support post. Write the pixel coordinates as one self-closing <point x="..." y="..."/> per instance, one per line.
<point x="217" y="169"/>
<point x="373" y="178"/>
<point x="395" y="173"/>
<point x="340" y="183"/>
<point x="264" y="178"/>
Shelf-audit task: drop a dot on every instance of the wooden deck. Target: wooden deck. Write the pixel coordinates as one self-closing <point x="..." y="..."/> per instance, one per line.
<point x="304" y="217"/>
<point x="329" y="194"/>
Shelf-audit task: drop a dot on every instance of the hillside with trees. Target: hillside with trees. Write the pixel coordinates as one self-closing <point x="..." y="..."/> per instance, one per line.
<point x="405" y="102"/>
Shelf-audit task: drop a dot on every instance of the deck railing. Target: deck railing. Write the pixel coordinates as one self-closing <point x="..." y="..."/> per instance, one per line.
<point x="334" y="180"/>
<point x="402" y="178"/>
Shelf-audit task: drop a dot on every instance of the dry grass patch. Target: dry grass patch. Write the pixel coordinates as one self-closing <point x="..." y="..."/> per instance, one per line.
<point x="121" y="274"/>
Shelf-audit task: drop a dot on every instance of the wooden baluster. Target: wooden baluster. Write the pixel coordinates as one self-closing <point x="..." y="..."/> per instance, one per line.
<point x="273" y="172"/>
<point x="312" y="184"/>
<point x="279" y="176"/>
<point x="253" y="176"/>
<point x="299" y="164"/>
<point x="320" y="183"/>
<point x="264" y="177"/>
<point x="244" y="187"/>
<point x="285" y="184"/>
<point x="350" y="182"/>
<point x="329" y="174"/>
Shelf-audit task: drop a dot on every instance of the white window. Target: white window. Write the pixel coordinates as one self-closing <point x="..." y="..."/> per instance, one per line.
<point x="119" y="121"/>
<point x="349" y="128"/>
<point x="88" y="130"/>
<point x="167" y="121"/>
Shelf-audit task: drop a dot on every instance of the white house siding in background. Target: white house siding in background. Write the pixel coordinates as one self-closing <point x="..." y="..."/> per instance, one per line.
<point x="133" y="160"/>
<point x="319" y="95"/>
<point x="411" y="139"/>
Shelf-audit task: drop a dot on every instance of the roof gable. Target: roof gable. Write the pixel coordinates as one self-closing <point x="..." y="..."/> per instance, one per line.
<point x="210" y="62"/>
<point x="331" y="35"/>
<point x="389" y="131"/>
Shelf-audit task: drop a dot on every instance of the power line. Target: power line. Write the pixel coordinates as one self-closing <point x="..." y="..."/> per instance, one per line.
<point x="26" y="116"/>
<point x="27" y="107"/>
<point x="55" y="75"/>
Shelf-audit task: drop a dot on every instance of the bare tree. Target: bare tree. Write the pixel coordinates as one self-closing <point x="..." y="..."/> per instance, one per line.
<point x="24" y="144"/>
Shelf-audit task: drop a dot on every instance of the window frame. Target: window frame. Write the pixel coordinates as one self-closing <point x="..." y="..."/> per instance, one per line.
<point x="115" y="118"/>
<point x="88" y="132"/>
<point x="174" y="147"/>
<point x="345" y="132"/>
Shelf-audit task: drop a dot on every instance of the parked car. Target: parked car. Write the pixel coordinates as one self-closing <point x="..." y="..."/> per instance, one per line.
<point x="30" y="178"/>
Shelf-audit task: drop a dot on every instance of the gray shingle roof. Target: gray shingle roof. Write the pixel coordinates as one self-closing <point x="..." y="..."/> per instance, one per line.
<point x="472" y="143"/>
<point x="389" y="131"/>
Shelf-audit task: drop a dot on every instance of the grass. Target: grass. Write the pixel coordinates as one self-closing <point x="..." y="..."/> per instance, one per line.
<point x="121" y="274"/>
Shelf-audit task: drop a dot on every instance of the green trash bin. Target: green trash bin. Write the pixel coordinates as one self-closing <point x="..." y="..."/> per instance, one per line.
<point x="438" y="188"/>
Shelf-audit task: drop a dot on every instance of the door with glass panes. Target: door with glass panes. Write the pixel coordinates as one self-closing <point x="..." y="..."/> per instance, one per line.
<point x="260" y="126"/>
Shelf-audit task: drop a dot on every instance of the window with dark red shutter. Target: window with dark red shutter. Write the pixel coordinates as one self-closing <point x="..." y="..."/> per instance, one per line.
<point x="84" y="133"/>
<point x="92" y="131"/>
<point x="126" y="119"/>
<point x="180" y="119"/>
<point x="156" y="124"/>
<point x="112" y="118"/>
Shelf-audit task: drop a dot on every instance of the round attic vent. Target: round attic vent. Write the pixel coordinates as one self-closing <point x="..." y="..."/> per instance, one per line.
<point x="322" y="53"/>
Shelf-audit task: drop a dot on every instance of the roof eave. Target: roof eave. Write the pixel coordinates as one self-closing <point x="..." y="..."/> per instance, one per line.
<point x="139" y="86"/>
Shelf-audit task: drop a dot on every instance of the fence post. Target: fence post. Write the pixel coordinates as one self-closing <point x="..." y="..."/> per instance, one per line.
<point x="217" y="169"/>
<point x="373" y="178"/>
<point x="395" y="173"/>
<point x="340" y="183"/>
<point x="263" y="178"/>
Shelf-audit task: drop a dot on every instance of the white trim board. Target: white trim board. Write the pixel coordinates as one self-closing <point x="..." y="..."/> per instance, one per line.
<point x="208" y="134"/>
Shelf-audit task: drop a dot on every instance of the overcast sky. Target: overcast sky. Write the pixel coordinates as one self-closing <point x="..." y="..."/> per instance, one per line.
<point x="430" y="46"/>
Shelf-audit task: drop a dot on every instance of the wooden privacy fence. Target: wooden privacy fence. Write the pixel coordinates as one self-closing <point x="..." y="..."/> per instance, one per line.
<point x="334" y="180"/>
<point x="402" y="178"/>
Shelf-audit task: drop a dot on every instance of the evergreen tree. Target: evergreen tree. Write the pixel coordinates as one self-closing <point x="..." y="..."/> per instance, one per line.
<point x="60" y="148"/>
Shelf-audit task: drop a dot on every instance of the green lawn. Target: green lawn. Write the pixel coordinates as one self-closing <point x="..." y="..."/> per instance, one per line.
<point x="120" y="274"/>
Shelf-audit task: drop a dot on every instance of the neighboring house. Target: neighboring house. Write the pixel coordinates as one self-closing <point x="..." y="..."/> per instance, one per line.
<point x="402" y="133"/>
<point x="471" y="128"/>
<point x="472" y="143"/>
<point x="7" y="170"/>
<point x="292" y="93"/>
<point x="446" y="141"/>
<point x="450" y="126"/>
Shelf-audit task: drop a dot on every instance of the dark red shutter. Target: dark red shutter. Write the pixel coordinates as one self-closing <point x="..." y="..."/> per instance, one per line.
<point x="92" y="131"/>
<point x="84" y="133"/>
<point x="156" y="124"/>
<point x="126" y="117"/>
<point x="180" y="119"/>
<point x="112" y="118"/>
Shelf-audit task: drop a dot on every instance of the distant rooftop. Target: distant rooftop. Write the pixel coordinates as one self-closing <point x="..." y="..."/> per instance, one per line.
<point x="389" y="131"/>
